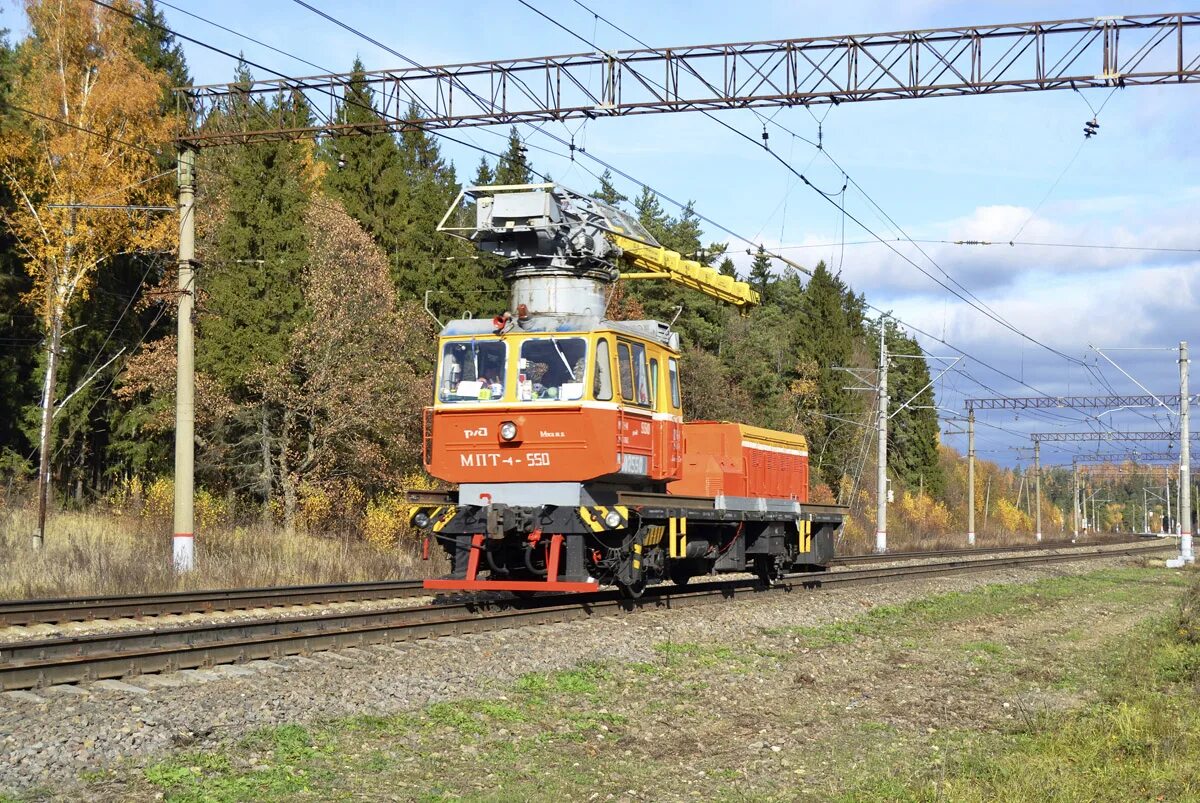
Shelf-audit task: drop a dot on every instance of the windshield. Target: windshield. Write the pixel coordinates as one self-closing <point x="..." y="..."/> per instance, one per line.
<point x="552" y="369"/>
<point x="473" y="371"/>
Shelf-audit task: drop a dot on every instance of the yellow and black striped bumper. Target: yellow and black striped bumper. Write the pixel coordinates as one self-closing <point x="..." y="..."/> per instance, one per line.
<point x="595" y="517"/>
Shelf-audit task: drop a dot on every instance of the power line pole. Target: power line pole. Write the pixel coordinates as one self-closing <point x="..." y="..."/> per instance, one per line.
<point x="1185" y="483"/>
<point x="1037" y="479"/>
<point x="881" y="476"/>
<point x="987" y="502"/>
<point x="970" y="475"/>
<point x="183" y="541"/>
<point x="1167" y="527"/>
<point x="1075" y="499"/>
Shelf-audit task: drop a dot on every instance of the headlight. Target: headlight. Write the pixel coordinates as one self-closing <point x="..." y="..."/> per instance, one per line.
<point x="508" y="430"/>
<point x="421" y="520"/>
<point x="613" y="519"/>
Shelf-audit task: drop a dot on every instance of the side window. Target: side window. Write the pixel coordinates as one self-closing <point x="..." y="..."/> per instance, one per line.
<point x="654" y="383"/>
<point x="602" y="389"/>
<point x="673" y="371"/>
<point x="625" y="368"/>
<point x="639" y="374"/>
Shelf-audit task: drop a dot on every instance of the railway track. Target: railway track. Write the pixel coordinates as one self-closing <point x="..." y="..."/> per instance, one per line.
<point x="78" y="609"/>
<point x="851" y="560"/>
<point x="36" y="663"/>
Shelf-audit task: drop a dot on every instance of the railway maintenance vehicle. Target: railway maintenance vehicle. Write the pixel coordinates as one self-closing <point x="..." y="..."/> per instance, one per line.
<point x="564" y="431"/>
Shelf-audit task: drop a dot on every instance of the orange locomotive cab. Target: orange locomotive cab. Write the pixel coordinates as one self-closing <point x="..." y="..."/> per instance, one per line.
<point x="582" y="410"/>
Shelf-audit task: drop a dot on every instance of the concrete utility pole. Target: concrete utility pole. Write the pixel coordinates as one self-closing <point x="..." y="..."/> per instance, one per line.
<point x="970" y="476"/>
<point x="881" y="477"/>
<point x="1168" y="527"/>
<point x="183" y="541"/>
<point x="1185" y="483"/>
<point x="1075" y="499"/>
<point x="1037" y="480"/>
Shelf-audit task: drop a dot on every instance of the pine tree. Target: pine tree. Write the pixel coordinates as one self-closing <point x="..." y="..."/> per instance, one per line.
<point x="913" y="433"/>
<point x="702" y="319"/>
<point x="365" y="172"/>
<point x="607" y="192"/>
<point x="156" y="47"/>
<point x="426" y="259"/>
<point x="761" y="277"/>
<point x="513" y="166"/>
<point x="484" y="175"/>
<point x="826" y="334"/>
<point x="255" y="256"/>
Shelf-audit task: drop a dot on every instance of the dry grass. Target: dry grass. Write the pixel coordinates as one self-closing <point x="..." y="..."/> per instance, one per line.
<point x="97" y="553"/>
<point x="859" y="538"/>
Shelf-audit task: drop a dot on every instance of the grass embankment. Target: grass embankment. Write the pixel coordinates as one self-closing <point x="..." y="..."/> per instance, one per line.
<point x="1076" y="688"/>
<point x="97" y="553"/>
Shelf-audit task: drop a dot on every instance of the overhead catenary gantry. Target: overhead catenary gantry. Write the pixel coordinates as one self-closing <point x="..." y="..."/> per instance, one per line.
<point x="1119" y="51"/>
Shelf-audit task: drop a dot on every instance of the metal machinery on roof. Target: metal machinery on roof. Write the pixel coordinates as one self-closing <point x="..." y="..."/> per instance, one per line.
<point x="564" y="430"/>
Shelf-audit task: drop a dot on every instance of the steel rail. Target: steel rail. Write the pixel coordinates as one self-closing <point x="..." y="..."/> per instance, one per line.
<point x="880" y="557"/>
<point x="32" y="664"/>
<point x="74" y="609"/>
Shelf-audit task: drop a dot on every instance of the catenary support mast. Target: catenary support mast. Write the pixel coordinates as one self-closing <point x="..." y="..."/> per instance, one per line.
<point x="1037" y="481"/>
<point x="183" y="541"/>
<point x="1185" y="484"/>
<point x="881" y="477"/>
<point x="970" y="476"/>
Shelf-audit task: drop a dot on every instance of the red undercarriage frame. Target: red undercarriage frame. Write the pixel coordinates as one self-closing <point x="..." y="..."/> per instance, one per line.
<point x="472" y="582"/>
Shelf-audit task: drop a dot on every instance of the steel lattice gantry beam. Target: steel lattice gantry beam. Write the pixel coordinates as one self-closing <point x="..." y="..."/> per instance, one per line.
<point x="1069" y="402"/>
<point x="1047" y="437"/>
<point x="975" y="60"/>
<point x="1132" y="457"/>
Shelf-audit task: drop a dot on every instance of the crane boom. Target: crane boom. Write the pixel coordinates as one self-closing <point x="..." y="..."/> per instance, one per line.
<point x="546" y="230"/>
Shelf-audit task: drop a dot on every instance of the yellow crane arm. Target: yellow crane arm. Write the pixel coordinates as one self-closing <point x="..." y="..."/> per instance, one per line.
<point x="656" y="262"/>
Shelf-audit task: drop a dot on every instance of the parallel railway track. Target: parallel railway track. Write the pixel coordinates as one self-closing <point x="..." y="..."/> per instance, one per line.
<point x="75" y="609"/>
<point x="31" y="664"/>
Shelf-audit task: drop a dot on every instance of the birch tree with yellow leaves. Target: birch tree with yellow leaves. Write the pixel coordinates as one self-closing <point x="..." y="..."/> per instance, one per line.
<point x="86" y="131"/>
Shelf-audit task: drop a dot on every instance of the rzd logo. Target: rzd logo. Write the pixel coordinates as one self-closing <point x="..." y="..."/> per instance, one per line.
<point x="475" y="433"/>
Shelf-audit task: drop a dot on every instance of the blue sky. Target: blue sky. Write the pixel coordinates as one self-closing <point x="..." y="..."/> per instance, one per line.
<point x="949" y="168"/>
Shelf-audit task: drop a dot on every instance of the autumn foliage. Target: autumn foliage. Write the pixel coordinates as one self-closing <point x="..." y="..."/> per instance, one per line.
<point x="80" y="72"/>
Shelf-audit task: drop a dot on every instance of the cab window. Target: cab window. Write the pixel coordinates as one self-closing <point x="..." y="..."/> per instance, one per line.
<point x="552" y="369"/>
<point x="602" y="389"/>
<point x="472" y="371"/>
<point x="673" y="372"/>
<point x="639" y="374"/>
<point x="654" y="383"/>
<point x="625" y="368"/>
<point x="635" y="384"/>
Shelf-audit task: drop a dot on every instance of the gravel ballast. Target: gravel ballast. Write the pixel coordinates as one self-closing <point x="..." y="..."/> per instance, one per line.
<point x="52" y="735"/>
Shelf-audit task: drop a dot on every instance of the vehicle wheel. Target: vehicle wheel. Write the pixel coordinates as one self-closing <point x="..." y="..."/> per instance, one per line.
<point x="524" y="595"/>
<point x="680" y="575"/>
<point x="767" y="571"/>
<point x="633" y="591"/>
